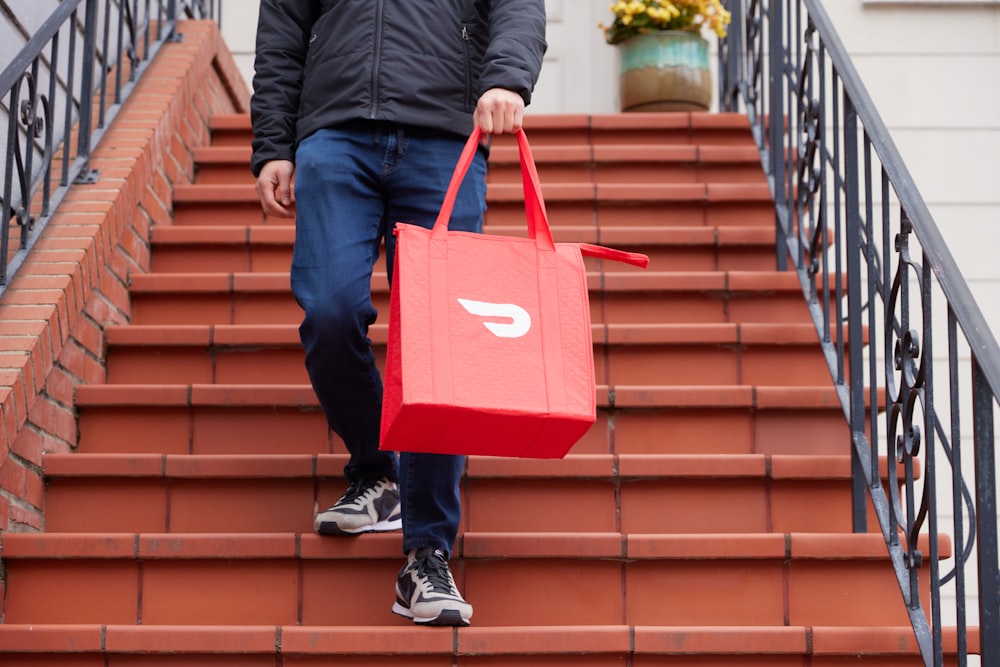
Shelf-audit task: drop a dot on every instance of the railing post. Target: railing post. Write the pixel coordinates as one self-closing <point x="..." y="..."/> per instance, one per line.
<point x="7" y="188"/>
<point x="855" y="311"/>
<point x="729" y="74"/>
<point x="172" y="19"/>
<point x="776" y="123"/>
<point x="88" y="61"/>
<point x="986" y="516"/>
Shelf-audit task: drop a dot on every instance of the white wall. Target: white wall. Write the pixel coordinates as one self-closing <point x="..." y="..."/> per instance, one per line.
<point x="239" y="29"/>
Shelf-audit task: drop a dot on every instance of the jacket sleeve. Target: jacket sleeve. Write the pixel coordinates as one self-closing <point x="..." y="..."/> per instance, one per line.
<point x="513" y="58"/>
<point x="283" y="31"/>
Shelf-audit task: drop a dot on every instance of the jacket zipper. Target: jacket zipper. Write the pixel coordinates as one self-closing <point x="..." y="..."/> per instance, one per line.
<point x="468" y="67"/>
<point x="377" y="59"/>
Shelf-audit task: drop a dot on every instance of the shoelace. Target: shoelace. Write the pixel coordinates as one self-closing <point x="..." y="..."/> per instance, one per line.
<point x="436" y="572"/>
<point x="355" y="491"/>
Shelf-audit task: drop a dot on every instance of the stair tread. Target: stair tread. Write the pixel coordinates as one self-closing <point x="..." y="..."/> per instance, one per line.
<point x="608" y="281"/>
<point x="552" y="192"/>
<point x="638" y="235"/>
<point x="588" y="466"/>
<point x="572" y="153"/>
<point x="472" y="545"/>
<point x="285" y="335"/>
<point x="295" y="395"/>
<point x="268" y="248"/>
<point x="473" y="640"/>
<point x="739" y="121"/>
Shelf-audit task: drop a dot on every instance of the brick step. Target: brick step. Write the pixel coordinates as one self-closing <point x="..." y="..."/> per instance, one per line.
<point x="288" y="579"/>
<point x="657" y="354"/>
<point x="606" y="163"/>
<point x="583" y="163"/>
<point x="389" y="646"/>
<point x="615" y="298"/>
<point x="638" y="129"/>
<point x="268" y="248"/>
<point x="286" y="419"/>
<point x="92" y="493"/>
<point x="567" y="204"/>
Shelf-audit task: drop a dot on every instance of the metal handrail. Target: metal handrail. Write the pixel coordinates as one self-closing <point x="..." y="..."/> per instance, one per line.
<point x="852" y="224"/>
<point x="61" y="81"/>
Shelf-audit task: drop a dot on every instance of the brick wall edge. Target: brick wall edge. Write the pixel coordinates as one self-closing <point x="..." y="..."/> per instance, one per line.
<point x="55" y="311"/>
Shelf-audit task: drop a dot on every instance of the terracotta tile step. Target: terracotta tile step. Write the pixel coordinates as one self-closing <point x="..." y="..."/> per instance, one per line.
<point x="264" y="248"/>
<point x="669" y="354"/>
<point x="385" y="646"/>
<point x="615" y="298"/>
<point x="710" y="354"/>
<point x="704" y="494"/>
<point x="650" y="163"/>
<point x="724" y="579"/>
<point x="583" y="493"/>
<point x="286" y="419"/>
<point x="678" y="646"/>
<point x="562" y="129"/>
<point x="583" y="163"/>
<point x="573" y="204"/>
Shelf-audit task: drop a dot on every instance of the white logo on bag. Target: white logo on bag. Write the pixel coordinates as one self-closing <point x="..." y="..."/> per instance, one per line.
<point x="520" y="320"/>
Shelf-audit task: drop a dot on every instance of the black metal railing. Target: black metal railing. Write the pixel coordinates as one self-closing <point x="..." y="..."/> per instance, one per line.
<point x="58" y="96"/>
<point x="915" y="364"/>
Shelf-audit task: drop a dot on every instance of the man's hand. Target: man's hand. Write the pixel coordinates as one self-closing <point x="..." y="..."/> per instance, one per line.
<point x="499" y="111"/>
<point x="274" y="188"/>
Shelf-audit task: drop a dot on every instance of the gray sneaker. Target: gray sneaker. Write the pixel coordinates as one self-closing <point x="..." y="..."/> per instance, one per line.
<point x="366" y="507"/>
<point x="426" y="591"/>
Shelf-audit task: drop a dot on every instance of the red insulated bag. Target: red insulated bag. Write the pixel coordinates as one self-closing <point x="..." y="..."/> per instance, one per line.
<point x="489" y="347"/>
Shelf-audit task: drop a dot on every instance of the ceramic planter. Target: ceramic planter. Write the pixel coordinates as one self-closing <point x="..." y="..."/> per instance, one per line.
<point x="665" y="71"/>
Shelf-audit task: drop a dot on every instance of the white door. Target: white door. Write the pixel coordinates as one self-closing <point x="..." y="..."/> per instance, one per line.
<point x="580" y="71"/>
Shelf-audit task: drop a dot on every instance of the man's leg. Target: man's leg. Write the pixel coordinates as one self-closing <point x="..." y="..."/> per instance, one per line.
<point x="339" y="213"/>
<point x="429" y="483"/>
<point x="416" y="188"/>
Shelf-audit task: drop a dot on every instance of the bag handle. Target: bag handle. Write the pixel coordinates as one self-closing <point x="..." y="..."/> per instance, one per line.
<point x="534" y="204"/>
<point x="538" y="222"/>
<point x="603" y="252"/>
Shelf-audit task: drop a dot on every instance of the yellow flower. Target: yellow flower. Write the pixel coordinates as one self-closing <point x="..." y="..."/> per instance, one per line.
<point x="634" y="17"/>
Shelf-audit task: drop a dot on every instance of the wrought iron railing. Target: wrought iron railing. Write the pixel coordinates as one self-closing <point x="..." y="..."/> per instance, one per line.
<point x="58" y="96"/>
<point x="914" y="362"/>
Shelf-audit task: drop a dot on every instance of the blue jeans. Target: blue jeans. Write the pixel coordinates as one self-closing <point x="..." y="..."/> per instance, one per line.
<point x="352" y="184"/>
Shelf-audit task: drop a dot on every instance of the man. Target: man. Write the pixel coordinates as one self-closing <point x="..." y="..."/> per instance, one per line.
<point x="368" y="103"/>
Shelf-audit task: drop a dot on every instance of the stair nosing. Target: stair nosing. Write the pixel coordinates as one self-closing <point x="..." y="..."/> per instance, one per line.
<point x="84" y="638"/>
<point x="301" y="396"/>
<point x="473" y="545"/>
<point x="613" y="281"/>
<point x="739" y="334"/>
<point x="601" y="193"/>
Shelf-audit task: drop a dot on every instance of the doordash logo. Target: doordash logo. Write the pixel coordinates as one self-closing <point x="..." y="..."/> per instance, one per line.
<point x="520" y="320"/>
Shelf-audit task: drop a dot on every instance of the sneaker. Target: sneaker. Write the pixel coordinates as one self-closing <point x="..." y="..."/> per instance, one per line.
<point x="366" y="507"/>
<point x="426" y="592"/>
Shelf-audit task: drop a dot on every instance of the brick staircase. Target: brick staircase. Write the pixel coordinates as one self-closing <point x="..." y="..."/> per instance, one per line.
<point x="703" y="521"/>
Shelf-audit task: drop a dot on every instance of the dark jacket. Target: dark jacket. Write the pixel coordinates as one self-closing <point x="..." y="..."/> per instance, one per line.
<point x="413" y="62"/>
